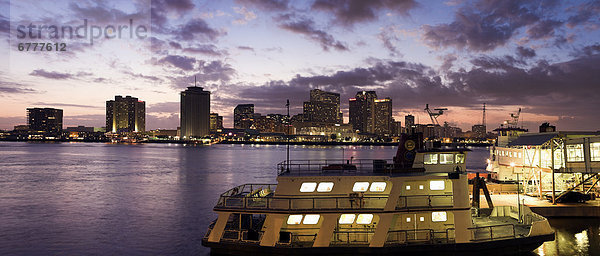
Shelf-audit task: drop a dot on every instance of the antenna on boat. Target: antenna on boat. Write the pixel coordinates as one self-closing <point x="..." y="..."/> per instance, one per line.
<point x="288" y="135"/>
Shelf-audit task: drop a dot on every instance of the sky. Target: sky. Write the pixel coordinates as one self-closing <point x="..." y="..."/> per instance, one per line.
<point x="541" y="56"/>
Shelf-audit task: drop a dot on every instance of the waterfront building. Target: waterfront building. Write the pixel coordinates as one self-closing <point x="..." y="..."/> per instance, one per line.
<point x="362" y="111"/>
<point x="479" y="131"/>
<point x="396" y="128"/>
<point x="125" y="115"/>
<point x="195" y="113"/>
<point x="243" y="116"/>
<point x="79" y="128"/>
<point x="216" y="122"/>
<point x="323" y="107"/>
<point x="383" y="117"/>
<point x="21" y="127"/>
<point x="45" y="120"/>
<point x="409" y="123"/>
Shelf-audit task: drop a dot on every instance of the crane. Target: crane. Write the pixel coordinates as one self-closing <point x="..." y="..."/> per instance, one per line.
<point x="514" y="122"/>
<point x="434" y="115"/>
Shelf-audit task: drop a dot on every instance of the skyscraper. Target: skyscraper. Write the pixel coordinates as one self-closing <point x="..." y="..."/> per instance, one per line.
<point x="243" y="116"/>
<point x="216" y="122"/>
<point x="47" y="120"/>
<point x="125" y="115"/>
<point x="195" y="111"/>
<point x="383" y="117"/>
<point x="409" y="123"/>
<point x="323" y="108"/>
<point x="362" y="111"/>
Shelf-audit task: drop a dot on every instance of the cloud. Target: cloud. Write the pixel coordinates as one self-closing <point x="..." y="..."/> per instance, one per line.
<point x="150" y="78"/>
<point x="388" y="38"/>
<point x="67" y="105"/>
<point x="206" y="49"/>
<point x="196" y="29"/>
<point x="525" y="52"/>
<point x="99" y="12"/>
<point x="182" y="62"/>
<point x="350" y="12"/>
<point x="245" y="48"/>
<point x="205" y="72"/>
<point x="306" y="27"/>
<point x="246" y="15"/>
<point x="266" y="5"/>
<point x="584" y="14"/>
<point x="51" y="74"/>
<point x="163" y="107"/>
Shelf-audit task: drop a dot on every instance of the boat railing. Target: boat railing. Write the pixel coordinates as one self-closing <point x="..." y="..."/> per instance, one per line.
<point x="246" y="236"/>
<point x="425" y="201"/>
<point x="352" y="237"/>
<point x="335" y="166"/>
<point x="427" y="236"/>
<point x="248" y="190"/>
<point x="493" y="232"/>
<point x="302" y="203"/>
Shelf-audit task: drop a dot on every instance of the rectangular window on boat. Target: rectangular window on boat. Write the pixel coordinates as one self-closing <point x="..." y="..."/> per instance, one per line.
<point x="347" y="218"/>
<point x="437" y="185"/>
<point x="438" y="216"/>
<point x="446" y="158"/>
<point x="575" y="153"/>
<point x="311" y="219"/>
<point x="430" y="159"/>
<point x="460" y="158"/>
<point x="294" y="219"/>
<point x="308" y="187"/>
<point x="364" y="219"/>
<point x="360" y="186"/>
<point x="325" y="187"/>
<point x="595" y="151"/>
<point x="377" y="187"/>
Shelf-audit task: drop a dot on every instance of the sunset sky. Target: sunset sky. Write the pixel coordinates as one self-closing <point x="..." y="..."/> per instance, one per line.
<point x="542" y="56"/>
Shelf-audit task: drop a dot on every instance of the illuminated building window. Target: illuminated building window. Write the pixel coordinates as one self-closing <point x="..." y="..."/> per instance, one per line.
<point x="311" y="219"/>
<point x="407" y="187"/>
<point x="421" y="187"/>
<point x="437" y="185"/>
<point x="575" y="153"/>
<point x="460" y="158"/>
<point x="325" y="187"/>
<point x="446" y="158"/>
<point x="430" y="159"/>
<point x="360" y="186"/>
<point x="364" y="219"/>
<point x="378" y="187"/>
<point x="595" y="151"/>
<point x="294" y="219"/>
<point x="347" y="218"/>
<point x="407" y="219"/>
<point x="438" y="216"/>
<point x="421" y="218"/>
<point x="308" y="187"/>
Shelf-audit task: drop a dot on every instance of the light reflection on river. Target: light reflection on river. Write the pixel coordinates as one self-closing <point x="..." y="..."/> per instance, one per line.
<point x="93" y="198"/>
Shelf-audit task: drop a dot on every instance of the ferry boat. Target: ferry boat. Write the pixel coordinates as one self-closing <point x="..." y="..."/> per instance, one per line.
<point x="417" y="202"/>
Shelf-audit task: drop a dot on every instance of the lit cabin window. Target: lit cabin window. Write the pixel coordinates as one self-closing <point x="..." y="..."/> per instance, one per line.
<point x="421" y="218"/>
<point x="407" y="219"/>
<point x="575" y="153"/>
<point x="595" y="151"/>
<point x="439" y="216"/>
<point x="347" y="218"/>
<point x="421" y="187"/>
<point x="311" y="219"/>
<point x="437" y="185"/>
<point x="460" y="158"/>
<point x="407" y="187"/>
<point x="364" y="219"/>
<point x="430" y="159"/>
<point x="294" y="219"/>
<point x="325" y="187"/>
<point x="446" y="158"/>
<point x="377" y="187"/>
<point x="308" y="187"/>
<point x="360" y="186"/>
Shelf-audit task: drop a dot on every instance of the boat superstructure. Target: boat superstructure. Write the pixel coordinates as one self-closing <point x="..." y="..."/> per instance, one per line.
<point x="416" y="202"/>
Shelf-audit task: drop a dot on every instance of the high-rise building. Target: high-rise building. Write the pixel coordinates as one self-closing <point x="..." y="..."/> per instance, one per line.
<point x="216" y="122"/>
<point x="479" y="131"/>
<point x="47" y="120"/>
<point x="362" y="111"/>
<point x="383" y="117"/>
<point x="409" y="124"/>
<point x="125" y="115"/>
<point x="195" y="112"/>
<point x="243" y="116"/>
<point x="323" y="108"/>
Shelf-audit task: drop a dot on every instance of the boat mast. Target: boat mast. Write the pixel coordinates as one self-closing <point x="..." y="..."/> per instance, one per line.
<point x="288" y="135"/>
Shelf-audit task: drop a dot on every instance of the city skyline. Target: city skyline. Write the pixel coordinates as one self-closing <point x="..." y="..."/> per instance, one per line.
<point x="541" y="56"/>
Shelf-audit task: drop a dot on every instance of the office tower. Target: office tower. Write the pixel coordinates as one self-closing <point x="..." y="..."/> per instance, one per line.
<point x="396" y="128"/>
<point x="409" y="124"/>
<point x="195" y="111"/>
<point x="243" y="116"/>
<point x="323" y="107"/>
<point x="383" y="117"/>
<point x="362" y="111"/>
<point x="216" y="122"/>
<point x="47" y="120"/>
<point x="125" y="115"/>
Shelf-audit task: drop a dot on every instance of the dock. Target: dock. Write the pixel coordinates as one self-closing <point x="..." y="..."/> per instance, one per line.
<point x="589" y="209"/>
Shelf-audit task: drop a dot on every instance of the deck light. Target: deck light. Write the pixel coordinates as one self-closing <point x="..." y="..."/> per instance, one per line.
<point x="311" y="219"/>
<point x="364" y="219"/>
<point x="347" y="218"/>
<point x="308" y="187"/>
<point x="294" y="219"/>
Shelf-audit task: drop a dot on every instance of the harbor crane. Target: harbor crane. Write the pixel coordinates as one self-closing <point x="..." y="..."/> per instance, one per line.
<point x="434" y="115"/>
<point x="514" y="121"/>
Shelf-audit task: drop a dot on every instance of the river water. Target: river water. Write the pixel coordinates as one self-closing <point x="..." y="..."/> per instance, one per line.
<point x="157" y="199"/>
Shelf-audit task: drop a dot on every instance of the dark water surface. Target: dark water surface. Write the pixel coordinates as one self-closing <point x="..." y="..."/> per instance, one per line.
<point x="157" y="199"/>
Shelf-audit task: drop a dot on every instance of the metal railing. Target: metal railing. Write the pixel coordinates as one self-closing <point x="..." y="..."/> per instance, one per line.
<point x="335" y="166"/>
<point x="241" y="235"/>
<point x="425" y="201"/>
<point x="352" y="237"/>
<point x="308" y="203"/>
<point x="493" y="232"/>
